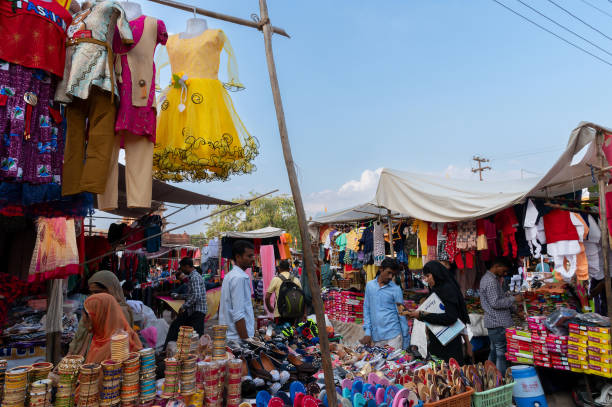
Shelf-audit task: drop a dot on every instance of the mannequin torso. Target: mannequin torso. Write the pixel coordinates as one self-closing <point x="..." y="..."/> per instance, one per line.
<point x="132" y="10"/>
<point x="195" y="27"/>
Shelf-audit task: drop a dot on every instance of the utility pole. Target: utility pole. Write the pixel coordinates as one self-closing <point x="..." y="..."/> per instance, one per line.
<point x="480" y="168"/>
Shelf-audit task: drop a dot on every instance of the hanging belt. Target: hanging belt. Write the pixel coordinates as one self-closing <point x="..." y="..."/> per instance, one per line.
<point x="110" y="57"/>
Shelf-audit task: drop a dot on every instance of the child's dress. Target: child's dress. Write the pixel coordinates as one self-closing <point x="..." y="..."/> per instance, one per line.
<point x="199" y="135"/>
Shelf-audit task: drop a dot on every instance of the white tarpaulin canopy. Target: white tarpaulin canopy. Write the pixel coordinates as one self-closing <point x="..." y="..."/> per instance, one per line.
<point x="263" y="233"/>
<point x="360" y="212"/>
<point x="438" y="199"/>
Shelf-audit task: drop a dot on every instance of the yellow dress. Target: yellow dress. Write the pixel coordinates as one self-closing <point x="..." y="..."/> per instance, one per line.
<point x="199" y="134"/>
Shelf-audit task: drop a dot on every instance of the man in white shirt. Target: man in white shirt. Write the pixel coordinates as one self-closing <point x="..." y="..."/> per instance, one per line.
<point x="235" y="307"/>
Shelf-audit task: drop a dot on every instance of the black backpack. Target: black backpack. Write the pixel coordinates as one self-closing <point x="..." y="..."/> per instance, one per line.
<point x="290" y="302"/>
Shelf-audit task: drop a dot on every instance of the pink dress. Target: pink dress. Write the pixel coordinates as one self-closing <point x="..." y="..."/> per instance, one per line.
<point x="136" y="120"/>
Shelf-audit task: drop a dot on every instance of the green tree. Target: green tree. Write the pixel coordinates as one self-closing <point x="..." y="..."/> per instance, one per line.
<point x="276" y="211"/>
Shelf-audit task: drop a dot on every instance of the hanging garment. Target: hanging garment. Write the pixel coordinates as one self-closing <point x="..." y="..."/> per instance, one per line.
<point x="89" y="83"/>
<point x="411" y="243"/>
<point x="136" y="117"/>
<point x="481" y="235"/>
<point x="422" y="228"/>
<point x="370" y="270"/>
<point x="32" y="146"/>
<point x="451" y="240"/>
<point x="432" y="242"/>
<point x="466" y="235"/>
<point x="200" y="136"/>
<point x="506" y="222"/>
<point x="563" y="234"/>
<point x="582" y="264"/>
<point x="534" y="229"/>
<point x="379" y="243"/>
<point x="33" y="34"/>
<point x="56" y="253"/>
<point x="592" y="245"/>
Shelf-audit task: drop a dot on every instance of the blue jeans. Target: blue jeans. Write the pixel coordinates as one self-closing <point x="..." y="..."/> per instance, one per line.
<point x="497" y="355"/>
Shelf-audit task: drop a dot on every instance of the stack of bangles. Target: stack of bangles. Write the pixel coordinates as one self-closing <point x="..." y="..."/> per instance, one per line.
<point x="171" y="383"/>
<point x="15" y="384"/>
<point x="40" y="371"/>
<point x="68" y="370"/>
<point x="130" y="383"/>
<point x="188" y="375"/>
<point x="111" y="383"/>
<point x="234" y="382"/>
<point x="40" y="393"/>
<point x="183" y="342"/>
<point x="89" y="385"/>
<point x="147" y="375"/>
<point x="3" y="364"/>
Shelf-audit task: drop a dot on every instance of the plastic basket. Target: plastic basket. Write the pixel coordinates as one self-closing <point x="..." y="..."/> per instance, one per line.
<point x="460" y="400"/>
<point x="499" y="397"/>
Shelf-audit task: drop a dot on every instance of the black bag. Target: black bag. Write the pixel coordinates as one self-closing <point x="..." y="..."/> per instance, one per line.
<point x="291" y="300"/>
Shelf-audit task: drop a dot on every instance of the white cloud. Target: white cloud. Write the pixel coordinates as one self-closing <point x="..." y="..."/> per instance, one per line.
<point x="351" y="193"/>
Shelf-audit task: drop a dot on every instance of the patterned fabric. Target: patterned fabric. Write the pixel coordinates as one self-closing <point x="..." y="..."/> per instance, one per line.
<point x="466" y="235"/>
<point x="56" y="254"/>
<point x="379" y="243"/>
<point x="87" y="63"/>
<point x="496" y="304"/>
<point x="451" y="240"/>
<point x="12" y="288"/>
<point x="36" y="158"/>
<point x="442" y="255"/>
<point x="137" y="120"/>
<point x="33" y="34"/>
<point x="196" y="294"/>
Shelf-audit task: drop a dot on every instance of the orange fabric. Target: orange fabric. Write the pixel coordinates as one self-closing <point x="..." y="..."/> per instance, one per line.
<point x="106" y="318"/>
<point x="582" y="264"/>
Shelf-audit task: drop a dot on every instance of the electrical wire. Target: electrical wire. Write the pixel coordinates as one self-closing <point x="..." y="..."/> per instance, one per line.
<point x="597" y="8"/>
<point x="564" y="27"/>
<point x="526" y="154"/>
<point x="579" y="19"/>
<point x="553" y="33"/>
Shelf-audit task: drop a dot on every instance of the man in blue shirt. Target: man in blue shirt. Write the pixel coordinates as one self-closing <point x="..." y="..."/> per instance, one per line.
<point x="383" y="325"/>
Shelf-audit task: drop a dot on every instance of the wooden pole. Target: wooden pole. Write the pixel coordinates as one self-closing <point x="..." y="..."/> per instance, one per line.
<point x="218" y="16"/>
<point x="603" y="221"/>
<point x="299" y="208"/>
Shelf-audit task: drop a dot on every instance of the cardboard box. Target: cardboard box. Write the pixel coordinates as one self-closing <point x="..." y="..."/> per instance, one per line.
<point x="599" y="371"/>
<point x="578" y="327"/>
<point x="578" y="340"/>
<point x="577" y="332"/>
<point x="577" y="357"/>
<point x="600" y="358"/>
<point x="577" y="348"/>
<point x="598" y="348"/>
<point x="599" y="338"/>
<point x="598" y="329"/>
<point x="518" y="332"/>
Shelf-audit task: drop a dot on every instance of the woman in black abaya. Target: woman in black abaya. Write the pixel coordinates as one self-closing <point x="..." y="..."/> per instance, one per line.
<point x="439" y="281"/>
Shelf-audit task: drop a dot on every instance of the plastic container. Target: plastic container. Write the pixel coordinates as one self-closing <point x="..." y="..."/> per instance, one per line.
<point x="460" y="400"/>
<point x="499" y="397"/>
<point x="528" y="390"/>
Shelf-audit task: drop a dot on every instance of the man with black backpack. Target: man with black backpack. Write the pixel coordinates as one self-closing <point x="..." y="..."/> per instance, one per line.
<point x="290" y="300"/>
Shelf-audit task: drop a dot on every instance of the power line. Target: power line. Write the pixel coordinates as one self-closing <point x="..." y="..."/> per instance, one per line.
<point x="511" y="156"/>
<point x="597" y="8"/>
<point x="553" y="33"/>
<point x="579" y="19"/>
<point x="564" y="27"/>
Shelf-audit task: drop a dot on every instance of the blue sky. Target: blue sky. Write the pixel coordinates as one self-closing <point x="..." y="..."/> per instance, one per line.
<point x="418" y="85"/>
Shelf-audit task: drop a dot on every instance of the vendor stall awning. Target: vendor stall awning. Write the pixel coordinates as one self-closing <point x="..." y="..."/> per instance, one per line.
<point x="256" y="234"/>
<point x="162" y="192"/>
<point x="438" y="199"/>
<point x="360" y="212"/>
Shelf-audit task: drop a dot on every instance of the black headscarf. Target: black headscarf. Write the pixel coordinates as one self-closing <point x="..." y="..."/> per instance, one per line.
<point x="447" y="288"/>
